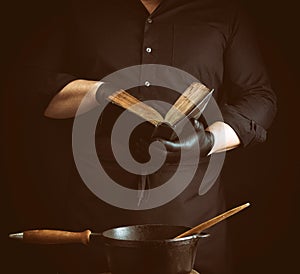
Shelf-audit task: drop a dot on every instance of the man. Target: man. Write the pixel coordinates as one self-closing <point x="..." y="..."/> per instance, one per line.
<point x="210" y="40"/>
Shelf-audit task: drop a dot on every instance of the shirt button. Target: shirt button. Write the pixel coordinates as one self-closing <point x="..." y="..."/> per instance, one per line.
<point x="147" y="84"/>
<point x="149" y="20"/>
<point x="148" y="50"/>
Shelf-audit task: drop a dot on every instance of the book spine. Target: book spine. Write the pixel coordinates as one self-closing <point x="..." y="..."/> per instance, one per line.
<point x="164" y="131"/>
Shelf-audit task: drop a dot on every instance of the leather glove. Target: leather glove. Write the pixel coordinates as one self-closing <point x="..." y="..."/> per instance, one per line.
<point x="191" y="135"/>
<point x="104" y="90"/>
<point x="188" y="141"/>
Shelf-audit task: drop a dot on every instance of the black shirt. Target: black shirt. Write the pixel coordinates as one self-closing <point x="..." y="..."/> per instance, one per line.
<point x="209" y="39"/>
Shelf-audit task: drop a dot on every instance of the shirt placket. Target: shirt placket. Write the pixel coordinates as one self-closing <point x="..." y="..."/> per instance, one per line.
<point x="148" y="56"/>
<point x="149" y="52"/>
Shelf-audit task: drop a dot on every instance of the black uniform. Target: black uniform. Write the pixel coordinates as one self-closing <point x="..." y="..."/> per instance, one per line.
<point x="209" y="39"/>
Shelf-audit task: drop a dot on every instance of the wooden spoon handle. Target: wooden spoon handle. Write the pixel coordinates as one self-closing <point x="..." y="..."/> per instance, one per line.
<point x="47" y="236"/>
<point x="197" y="229"/>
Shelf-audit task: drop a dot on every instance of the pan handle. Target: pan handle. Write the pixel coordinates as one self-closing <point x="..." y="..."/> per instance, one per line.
<point x="48" y="236"/>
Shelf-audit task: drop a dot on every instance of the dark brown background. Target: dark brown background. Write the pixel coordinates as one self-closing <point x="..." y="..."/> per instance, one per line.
<point x="265" y="237"/>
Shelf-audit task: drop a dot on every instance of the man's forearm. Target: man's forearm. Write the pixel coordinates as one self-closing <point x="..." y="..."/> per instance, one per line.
<point x="66" y="102"/>
<point x="225" y="137"/>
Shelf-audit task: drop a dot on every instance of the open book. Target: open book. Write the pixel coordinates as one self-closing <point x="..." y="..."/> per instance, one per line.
<point x="190" y="104"/>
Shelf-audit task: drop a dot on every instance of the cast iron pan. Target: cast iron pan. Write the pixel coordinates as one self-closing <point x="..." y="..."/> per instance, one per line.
<point x="148" y="248"/>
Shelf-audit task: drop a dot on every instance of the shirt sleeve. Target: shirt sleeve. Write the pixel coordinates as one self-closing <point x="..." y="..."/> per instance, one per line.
<point x="45" y="66"/>
<point x="250" y="103"/>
